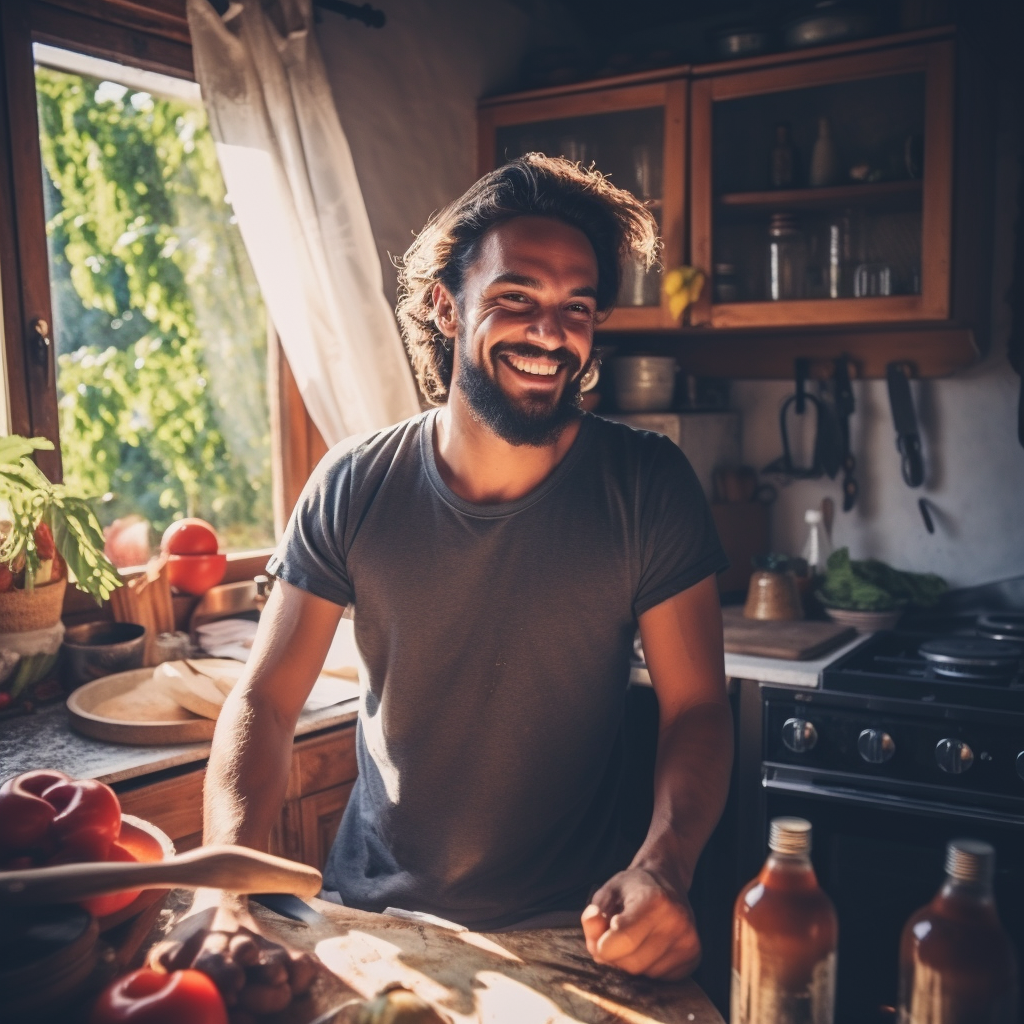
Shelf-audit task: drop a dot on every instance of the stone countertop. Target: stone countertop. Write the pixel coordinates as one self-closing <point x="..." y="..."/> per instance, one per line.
<point x="778" y="671"/>
<point x="45" y="739"/>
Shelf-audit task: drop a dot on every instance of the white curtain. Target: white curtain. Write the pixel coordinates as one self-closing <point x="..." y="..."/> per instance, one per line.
<point x="293" y="187"/>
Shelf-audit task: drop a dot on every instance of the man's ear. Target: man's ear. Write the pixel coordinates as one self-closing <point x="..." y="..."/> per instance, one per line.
<point x="446" y="312"/>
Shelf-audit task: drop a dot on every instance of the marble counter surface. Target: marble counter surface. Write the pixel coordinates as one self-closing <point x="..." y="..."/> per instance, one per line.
<point x="778" y="671"/>
<point x="45" y="739"/>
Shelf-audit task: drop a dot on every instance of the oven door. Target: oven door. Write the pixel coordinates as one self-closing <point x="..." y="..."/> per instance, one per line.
<point x="880" y="857"/>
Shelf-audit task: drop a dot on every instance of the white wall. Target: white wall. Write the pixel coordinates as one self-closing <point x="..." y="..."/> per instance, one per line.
<point x="974" y="463"/>
<point x="407" y="96"/>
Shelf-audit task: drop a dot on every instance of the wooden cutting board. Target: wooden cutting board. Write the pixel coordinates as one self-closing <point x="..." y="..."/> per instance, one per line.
<point x="544" y="976"/>
<point x="795" y="641"/>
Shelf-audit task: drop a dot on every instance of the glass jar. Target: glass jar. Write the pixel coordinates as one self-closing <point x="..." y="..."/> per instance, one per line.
<point x="787" y="259"/>
<point x="727" y="283"/>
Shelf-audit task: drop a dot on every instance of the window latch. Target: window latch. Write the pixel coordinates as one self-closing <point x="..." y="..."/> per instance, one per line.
<point x="41" y="343"/>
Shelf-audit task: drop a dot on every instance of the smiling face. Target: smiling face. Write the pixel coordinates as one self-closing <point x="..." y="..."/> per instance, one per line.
<point x="525" y="327"/>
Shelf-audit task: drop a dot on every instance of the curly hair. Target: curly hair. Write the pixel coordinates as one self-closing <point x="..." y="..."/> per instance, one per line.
<point x="617" y="224"/>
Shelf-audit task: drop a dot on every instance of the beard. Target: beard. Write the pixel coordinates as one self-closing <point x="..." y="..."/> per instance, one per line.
<point x="534" y="422"/>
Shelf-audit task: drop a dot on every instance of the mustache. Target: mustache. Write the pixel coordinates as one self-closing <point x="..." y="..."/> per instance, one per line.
<point x="524" y="350"/>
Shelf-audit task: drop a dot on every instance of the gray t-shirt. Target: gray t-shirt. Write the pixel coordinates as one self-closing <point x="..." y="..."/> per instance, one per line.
<point x="497" y="641"/>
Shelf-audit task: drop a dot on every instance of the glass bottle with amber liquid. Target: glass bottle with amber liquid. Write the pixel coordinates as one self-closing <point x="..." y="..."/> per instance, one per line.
<point x="784" y="937"/>
<point x="957" y="964"/>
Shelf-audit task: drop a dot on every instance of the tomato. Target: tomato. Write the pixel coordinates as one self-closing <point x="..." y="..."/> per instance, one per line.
<point x="88" y="819"/>
<point x="190" y="537"/>
<point x="44" y="541"/>
<point x="151" y="997"/>
<point x="25" y="817"/>
<point x="102" y="906"/>
<point x="195" y="574"/>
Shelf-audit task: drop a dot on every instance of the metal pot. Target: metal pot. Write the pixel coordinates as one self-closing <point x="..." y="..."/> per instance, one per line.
<point x="644" y="383"/>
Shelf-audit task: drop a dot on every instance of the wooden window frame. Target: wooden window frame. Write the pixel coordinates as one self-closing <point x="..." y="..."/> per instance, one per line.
<point x="153" y="37"/>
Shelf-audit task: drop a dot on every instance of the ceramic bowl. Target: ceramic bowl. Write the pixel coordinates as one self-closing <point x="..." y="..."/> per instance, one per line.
<point x="96" y="649"/>
<point x="865" y="622"/>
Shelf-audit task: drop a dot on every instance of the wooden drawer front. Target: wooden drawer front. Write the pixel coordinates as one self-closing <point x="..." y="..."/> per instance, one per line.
<point x="320" y="816"/>
<point x="175" y="805"/>
<point x="323" y="762"/>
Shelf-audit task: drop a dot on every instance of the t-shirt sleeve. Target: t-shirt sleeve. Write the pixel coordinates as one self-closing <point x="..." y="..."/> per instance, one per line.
<point x="311" y="554"/>
<point x="679" y="544"/>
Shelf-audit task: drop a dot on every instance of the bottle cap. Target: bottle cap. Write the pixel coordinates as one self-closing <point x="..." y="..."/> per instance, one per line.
<point x="971" y="860"/>
<point x="812" y="515"/>
<point x="790" y="836"/>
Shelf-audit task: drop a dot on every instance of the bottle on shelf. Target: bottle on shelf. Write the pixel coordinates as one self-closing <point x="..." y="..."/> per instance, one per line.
<point x="957" y="964"/>
<point x="817" y="546"/>
<point x="787" y="259"/>
<point x="782" y="171"/>
<point x="824" y="161"/>
<point x="785" y="935"/>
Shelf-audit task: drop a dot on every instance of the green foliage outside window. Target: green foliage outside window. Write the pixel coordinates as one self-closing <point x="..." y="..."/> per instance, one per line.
<point x="159" y="322"/>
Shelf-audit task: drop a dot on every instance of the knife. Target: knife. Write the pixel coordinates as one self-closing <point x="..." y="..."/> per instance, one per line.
<point x="908" y="439"/>
<point x="289" y="906"/>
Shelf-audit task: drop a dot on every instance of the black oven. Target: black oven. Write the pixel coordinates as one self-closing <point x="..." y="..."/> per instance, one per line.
<point x="886" y="783"/>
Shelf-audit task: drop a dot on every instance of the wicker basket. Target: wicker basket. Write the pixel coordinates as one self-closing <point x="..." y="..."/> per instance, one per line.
<point x="24" y="610"/>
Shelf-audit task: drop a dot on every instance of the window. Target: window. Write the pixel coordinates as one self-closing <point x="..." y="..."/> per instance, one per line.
<point x="159" y="330"/>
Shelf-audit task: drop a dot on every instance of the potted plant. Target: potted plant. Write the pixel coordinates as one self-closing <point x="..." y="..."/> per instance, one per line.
<point x="46" y="537"/>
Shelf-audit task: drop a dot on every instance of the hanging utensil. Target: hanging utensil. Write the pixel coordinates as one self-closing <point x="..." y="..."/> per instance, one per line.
<point x="908" y="439"/>
<point x="845" y="407"/>
<point x="798" y="402"/>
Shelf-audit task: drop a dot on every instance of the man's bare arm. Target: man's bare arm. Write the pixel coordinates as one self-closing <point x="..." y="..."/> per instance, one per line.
<point x="641" y="920"/>
<point x="244" y="790"/>
<point x="249" y="762"/>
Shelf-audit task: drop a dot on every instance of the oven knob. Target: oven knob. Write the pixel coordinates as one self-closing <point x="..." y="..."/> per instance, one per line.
<point x="876" y="746"/>
<point x="799" y="735"/>
<point x="954" y="756"/>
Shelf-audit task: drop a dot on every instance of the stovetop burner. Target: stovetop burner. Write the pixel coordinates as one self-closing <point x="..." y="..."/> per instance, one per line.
<point x="973" y="657"/>
<point x="1002" y="625"/>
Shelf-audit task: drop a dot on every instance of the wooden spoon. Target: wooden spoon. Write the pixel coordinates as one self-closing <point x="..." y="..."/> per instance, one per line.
<point x="234" y="868"/>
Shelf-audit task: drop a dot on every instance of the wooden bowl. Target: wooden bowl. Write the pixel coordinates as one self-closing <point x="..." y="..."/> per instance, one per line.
<point x="130" y="707"/>
<point x="148" y="843"/>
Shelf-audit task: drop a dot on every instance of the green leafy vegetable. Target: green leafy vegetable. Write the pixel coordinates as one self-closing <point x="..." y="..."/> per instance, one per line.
<point x="31" y="499"/>
<point x="873" y="586"/>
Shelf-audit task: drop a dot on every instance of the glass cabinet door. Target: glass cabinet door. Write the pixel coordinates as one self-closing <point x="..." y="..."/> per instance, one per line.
<point x="635" y="136"/>
<point x="821" y="191"/>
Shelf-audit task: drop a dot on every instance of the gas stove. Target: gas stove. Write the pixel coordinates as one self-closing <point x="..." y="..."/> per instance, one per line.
<point x="967" y="653"/>
<point x="914" y="738"/>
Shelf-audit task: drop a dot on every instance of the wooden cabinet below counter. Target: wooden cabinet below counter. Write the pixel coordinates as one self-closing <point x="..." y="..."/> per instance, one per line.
<point x="323" y="771"/>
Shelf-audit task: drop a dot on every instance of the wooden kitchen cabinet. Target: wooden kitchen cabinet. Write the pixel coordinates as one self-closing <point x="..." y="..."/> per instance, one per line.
<point x="323" y="771"/>
<point x="636" y="134"/>
<point x="894" y="268"/>
<point x="873" y="251"/>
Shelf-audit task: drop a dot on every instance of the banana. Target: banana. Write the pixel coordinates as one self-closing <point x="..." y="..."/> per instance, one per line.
<point x="682" y="286"/>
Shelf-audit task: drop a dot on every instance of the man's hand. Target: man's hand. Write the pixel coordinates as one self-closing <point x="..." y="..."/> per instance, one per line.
<point x="636" y="923"/>
<point x="254" y="975"/>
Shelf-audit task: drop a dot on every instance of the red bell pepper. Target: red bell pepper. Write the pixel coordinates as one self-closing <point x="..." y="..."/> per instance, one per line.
<point x="152" y="997"/>
<point x="25" y="817"/>
<point x="88" y="819"/>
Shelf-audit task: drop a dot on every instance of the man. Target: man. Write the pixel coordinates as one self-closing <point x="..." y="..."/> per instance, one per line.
<point x="499" y="551"/>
